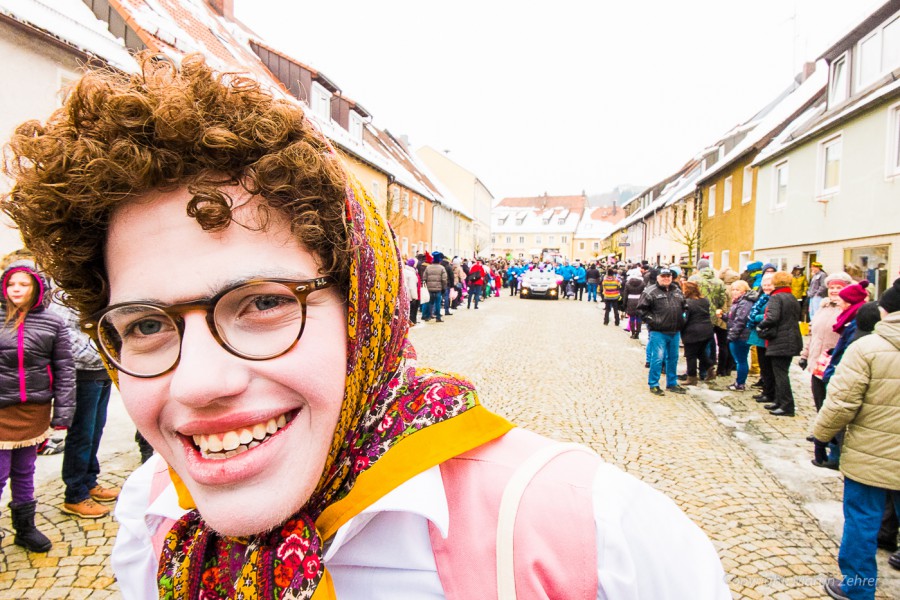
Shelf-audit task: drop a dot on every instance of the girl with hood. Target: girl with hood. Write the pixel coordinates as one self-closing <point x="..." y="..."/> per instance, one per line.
<point x="247" y="295"/>
<point x="37" y="390"/>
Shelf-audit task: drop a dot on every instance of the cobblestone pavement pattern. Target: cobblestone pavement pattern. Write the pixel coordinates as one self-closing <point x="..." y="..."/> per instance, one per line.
<point x="553" y="367"/>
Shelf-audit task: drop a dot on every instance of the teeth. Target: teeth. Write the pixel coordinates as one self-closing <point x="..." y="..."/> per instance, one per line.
<point x="215" y="443"/>
<point x="259" y="431"/>
<point x="246" y="436"/>
<point x="231" y="443"/>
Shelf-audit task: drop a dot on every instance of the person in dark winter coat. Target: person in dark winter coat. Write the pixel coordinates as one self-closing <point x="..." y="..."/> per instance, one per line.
<point x="634" y="287"/>
<point x="742" y="302"/>
<point x="37" y="377"/>
<point x="662" y="308"/>
<point x="696" y="334"/>
<point x="783" y="341"/>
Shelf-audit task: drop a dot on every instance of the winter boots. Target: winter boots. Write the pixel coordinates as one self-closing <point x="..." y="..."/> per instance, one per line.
<point x="27" y="535"/>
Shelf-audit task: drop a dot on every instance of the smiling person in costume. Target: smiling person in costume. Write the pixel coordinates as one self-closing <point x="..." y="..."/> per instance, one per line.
<point x="247" y="295"/>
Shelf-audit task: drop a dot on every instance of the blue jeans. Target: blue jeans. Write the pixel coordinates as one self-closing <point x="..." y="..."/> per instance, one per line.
<point x="740" y="351"/>
<point x="80" y="466"/>
<point x="863" y="509"/>
<point x="592" y="292"/>
<point x="434" y="305"/>
<point x="663" y="347"/>
<point x="474" y="293"/>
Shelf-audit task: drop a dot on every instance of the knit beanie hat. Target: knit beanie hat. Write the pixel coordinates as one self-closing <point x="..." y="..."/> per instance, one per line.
<point x="411" y="262"/>
<point x="703" y="263"/>
<point x="839" y="277"/>
<point x="890" y="299"/>
<point x="856" y="293"/>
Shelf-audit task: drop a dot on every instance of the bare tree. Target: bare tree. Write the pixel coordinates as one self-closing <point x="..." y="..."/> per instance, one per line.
<point x="692" y="233"/>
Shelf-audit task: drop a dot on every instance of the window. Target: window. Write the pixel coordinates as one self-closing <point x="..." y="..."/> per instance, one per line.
<point x="747" y="184"/>
<point x="376" y="190"/>
<point x="493" y="239"/>
<point x="520" y="220"/>
<point x="537" y="239"/>
<point x="551" y="239"/>
<point x="320" y="101"/>
<point x="711" y="200"/>
<point x="356" y="126"/>
<point x="743" y="260"/>
<point x="581" y="245"/>
<point x="830" y="166"/>
<point x="546" y="221"/>
<point x="870" y="263"/>
<point x="596" y="245"/>
<point x="779" y="200"/>
<point x="726" y="259"/>
<point x="521" y="239"/>
<point x="509" y="239"/>
<point x="404" y="203"/>
<point x="404" y="247"/>
<point x="395" y="200"/>
<point x="837" y="81"/>
<point x="561" y="221"/>
<point x="780" y="262"/>
<point x="893" y="137"/>
<point x="726" y="195"/>
<point x="421" y="211"/>
<point x="878" y="53"/>
<point x="564" y="239"/>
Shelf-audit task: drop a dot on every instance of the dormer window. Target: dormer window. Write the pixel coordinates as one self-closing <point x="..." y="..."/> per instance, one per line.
<point x="561" y="221"/>
<point x="320" y="101"/>
<point x="546" y="221"/>
<point x="838" y="88"/>
<point x="356" y="126"/>
<point x="520" y="221"/>
<point x="878" y="53"/>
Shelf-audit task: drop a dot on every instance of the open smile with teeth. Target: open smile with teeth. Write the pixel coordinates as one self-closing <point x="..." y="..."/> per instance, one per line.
<point x="218" y="446"/>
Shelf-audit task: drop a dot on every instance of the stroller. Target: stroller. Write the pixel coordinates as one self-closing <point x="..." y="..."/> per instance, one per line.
<point x="570" y="288"/>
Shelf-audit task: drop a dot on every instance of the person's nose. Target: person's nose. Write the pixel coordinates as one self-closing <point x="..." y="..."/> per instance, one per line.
<point x="206" y="373"/>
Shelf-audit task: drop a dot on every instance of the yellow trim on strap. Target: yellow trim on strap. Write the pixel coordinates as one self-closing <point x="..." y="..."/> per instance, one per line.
<point x="411" y="456"/>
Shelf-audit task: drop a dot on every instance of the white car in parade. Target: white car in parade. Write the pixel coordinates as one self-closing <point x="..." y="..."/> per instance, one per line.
<point x="543" y="284"/>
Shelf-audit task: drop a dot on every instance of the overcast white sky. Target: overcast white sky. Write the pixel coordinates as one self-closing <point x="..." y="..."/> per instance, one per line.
<point x="560" y="96"/>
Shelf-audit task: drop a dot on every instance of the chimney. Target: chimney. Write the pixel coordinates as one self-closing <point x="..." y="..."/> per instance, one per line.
<point x="808" y="69"/>
<point x="224" y="8"/>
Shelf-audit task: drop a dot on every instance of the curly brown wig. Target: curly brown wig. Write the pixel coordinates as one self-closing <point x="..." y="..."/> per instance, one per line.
<point x="120" y="135"/>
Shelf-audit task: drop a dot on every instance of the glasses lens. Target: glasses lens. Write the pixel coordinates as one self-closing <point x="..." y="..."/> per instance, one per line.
<point x="259" y="320"/>
<point x="141" y="340"/>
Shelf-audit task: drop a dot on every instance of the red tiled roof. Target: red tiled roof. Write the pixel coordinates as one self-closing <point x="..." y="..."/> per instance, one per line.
<point x="540" y="202"/>
<point x="610" y="214"/>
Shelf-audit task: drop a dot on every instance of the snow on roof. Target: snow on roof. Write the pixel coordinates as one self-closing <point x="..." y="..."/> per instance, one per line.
<point x="777" y="118"/>
<point x="72" y="22"/>
<point x="591" y="227"/>
<point x="676" y="190"/>
<point x="817" y="119"/>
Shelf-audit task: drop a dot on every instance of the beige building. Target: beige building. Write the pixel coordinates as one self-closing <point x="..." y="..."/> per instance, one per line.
<point x="595" y="226"/>
<point x="535" y="227"/>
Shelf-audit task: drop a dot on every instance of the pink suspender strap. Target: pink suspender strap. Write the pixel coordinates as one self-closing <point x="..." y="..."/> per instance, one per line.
<point x="553" y="552"/>
<point x="158" y="484"/>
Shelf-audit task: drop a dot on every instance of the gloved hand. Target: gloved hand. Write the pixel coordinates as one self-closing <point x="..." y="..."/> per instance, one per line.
<point x="803" y="363"/>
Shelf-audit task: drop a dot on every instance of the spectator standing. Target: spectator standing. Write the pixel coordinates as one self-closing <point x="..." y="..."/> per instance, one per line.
<point x="475" y="280"/>
<point x="817" y="289"/>
<point x="459" y="276"/>
<point x="634" y="287"/>
<point x="757" y="313"/>
<point x="84" y="496"/>
<point x="435" y="282"/>
<point x="662" y="308"/>
<point x="612" y="293"/>
<point x="593" y="280"/>
<point x="742" y="302"/>
<point x="713" y="289"/>
<point x="451" y="283"/>
<point x="799" y="287"/>
<point x="783" y="341"/>
<point x="413" y="285"/>
<point x="37" y="376"/>
<point x="864" y="397"/>
<point x="580" y="276"/>
<point x="697" y="333"/>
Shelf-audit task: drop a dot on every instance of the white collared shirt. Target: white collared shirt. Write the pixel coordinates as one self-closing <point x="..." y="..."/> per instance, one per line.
<point x="646" y="547"/>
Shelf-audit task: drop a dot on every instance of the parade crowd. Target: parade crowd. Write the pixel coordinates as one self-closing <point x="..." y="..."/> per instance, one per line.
<point x="733" y="325"/>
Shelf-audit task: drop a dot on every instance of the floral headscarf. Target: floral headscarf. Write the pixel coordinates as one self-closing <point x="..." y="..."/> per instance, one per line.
<point x="396" y="421"/>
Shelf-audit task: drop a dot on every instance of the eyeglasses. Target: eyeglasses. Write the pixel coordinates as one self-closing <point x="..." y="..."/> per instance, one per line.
<point x="257" y="320"/>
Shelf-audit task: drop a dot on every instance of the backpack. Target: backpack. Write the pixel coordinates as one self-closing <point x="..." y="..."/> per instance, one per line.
<point x="473" y="277"/>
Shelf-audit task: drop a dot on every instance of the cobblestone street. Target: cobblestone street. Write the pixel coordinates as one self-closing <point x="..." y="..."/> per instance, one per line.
<point x="741" y="474"/>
